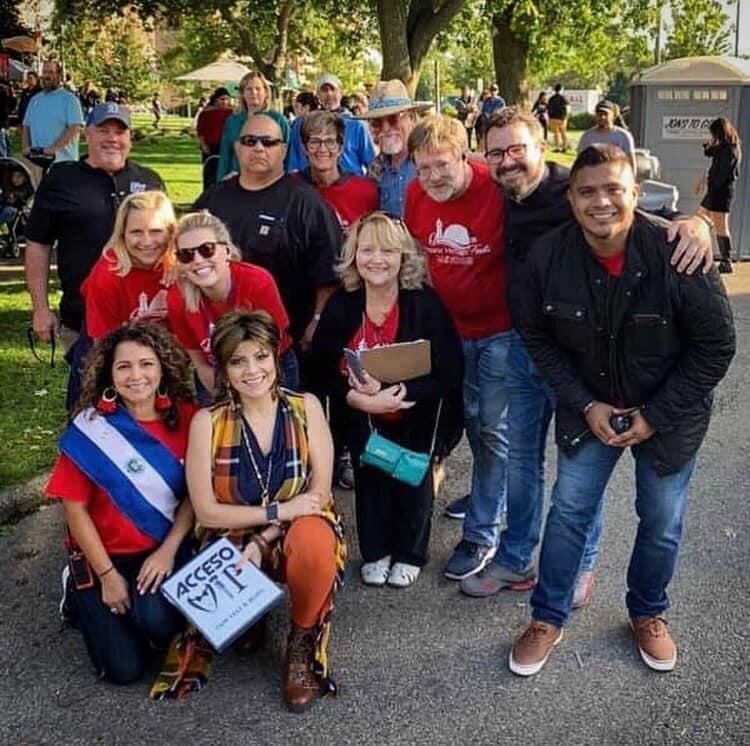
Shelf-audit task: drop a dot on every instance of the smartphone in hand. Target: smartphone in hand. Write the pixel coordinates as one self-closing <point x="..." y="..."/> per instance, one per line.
<point x="355" y="364"/>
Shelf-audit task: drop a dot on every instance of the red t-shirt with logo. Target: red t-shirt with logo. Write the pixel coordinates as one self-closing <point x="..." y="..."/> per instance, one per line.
<point x="350" y="198"/>
<point x="117" y="532"/>
<point x="464" y="242"/>
<point x="253" y="289"/>
<point x="111" y="300"/>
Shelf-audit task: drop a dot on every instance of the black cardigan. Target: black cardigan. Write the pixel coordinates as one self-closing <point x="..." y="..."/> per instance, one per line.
<point x="421" y="316"/>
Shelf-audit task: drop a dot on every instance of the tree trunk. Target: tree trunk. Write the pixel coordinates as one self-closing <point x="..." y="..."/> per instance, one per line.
<point x="392" y="18"/>
<point x="510" y="51"/>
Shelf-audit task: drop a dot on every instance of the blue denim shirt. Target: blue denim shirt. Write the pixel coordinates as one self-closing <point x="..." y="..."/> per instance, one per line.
<point x="392" y="183"/>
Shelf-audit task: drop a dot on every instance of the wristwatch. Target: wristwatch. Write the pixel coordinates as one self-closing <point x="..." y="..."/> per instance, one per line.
<point x="272" y="513"/>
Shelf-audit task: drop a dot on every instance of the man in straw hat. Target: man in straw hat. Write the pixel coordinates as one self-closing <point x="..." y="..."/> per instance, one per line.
<point x="392" y="115"/>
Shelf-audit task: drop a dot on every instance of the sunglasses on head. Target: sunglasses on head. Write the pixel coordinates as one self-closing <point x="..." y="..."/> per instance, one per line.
<point x="207" y="249"/>
<point x="250" y="141"/>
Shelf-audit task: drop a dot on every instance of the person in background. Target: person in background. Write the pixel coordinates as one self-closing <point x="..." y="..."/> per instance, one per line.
<point x="255" y="96"/>
<point x="540" y="110"/>
<point x="558" y="109"/>
<point x="724" y="150"/>
<point x="358" y="104"/>
<point x="126" y="535"/>
<point x="606" y="132"/>
<point x="129" y="281"/>
<point x="156" y="110"/>
<point x="494" y="102"/>
<point x="53" y="118"/>
<point x="358" y="151"/>
<point x="392" y="115"/>
<point x="211" y="282"/>
<point x="384" y="301"/>
<point x="31" y="87"/>
<point x="7" y="105"/>
<point x="259" y="473"/>
<point x="209" y="129"/>
<point x="466" y="110"/>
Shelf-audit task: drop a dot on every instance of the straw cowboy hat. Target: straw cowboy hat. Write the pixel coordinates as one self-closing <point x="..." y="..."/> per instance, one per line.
<point x="391" y="97"/>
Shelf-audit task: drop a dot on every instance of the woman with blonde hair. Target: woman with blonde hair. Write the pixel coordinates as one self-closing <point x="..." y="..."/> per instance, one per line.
<point x="129" y="280"/>
<point x="255" y="96"/>
<point x="259" y="473"/>
<point x="211" y="281"/>
<point x="384" y="301"/>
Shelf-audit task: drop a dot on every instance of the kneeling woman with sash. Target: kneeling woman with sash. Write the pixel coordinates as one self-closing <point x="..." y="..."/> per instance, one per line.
<point x="121" y="481"/>
<point x="259" y="467"/>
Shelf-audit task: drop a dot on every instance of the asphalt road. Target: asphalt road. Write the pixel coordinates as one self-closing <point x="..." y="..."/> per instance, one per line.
<point x="427" y="665"/>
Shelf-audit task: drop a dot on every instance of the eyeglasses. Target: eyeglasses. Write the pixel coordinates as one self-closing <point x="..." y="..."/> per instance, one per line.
<point x="31" y="337"/>
<point x="207" y="249"/>
<point x="250" y="141"/>
<point x="318" y="143"/>
<point x="393" y="120"/>
<point x="497" y="155"/>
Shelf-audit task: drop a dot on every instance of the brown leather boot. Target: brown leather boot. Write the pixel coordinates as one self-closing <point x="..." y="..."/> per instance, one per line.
<point x="301" y="687"/>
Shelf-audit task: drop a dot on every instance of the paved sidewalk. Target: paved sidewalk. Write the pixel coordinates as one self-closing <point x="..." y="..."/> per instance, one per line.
<point x="427" y="665"/>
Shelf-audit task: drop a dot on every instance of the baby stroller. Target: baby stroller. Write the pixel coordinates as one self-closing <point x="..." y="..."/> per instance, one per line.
<point x="19" y="180"/>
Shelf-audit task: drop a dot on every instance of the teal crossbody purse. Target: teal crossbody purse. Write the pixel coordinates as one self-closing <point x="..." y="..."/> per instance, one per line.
<point x="398" y="462"/>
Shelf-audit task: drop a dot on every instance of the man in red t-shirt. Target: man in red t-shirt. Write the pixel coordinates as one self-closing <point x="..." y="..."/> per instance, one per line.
<point x="455" y="211"/>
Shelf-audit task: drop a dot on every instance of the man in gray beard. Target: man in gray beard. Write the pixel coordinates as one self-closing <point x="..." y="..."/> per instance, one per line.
<point x="392" y="115"/>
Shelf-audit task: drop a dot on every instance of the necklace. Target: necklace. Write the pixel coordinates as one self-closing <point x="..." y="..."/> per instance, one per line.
<point x="264" y="486"/>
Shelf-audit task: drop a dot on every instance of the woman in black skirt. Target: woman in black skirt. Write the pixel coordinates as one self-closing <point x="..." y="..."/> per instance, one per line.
<point x="724" y="151"/>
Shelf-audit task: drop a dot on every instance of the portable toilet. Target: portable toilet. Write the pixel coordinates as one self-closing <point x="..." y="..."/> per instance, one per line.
<point x="671" y="106"/>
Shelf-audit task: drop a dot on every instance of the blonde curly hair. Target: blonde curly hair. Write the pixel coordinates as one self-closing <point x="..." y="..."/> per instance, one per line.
<point x="390" y="233"/>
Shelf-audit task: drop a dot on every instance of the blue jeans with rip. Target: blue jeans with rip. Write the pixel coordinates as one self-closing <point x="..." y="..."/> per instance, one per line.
<point x="485" y="412"/>
<point x="660" y="505"/>
<point x="531" y="404"/>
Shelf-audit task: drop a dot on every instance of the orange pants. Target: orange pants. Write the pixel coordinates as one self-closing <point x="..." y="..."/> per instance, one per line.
<point x="310" y="568"/>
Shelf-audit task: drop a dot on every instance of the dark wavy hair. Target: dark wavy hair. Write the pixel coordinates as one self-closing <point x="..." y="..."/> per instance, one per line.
<point x="175" y="366"/>
<point x="234" y="328"/>
<point x="723" y="130"/>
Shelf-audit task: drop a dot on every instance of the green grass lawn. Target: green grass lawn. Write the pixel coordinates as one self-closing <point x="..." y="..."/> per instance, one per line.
<point x="31" y="393"/>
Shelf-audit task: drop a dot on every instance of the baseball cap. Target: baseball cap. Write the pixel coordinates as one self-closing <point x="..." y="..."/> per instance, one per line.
<point x="328" y="79"/>
<point x="109" y="110"/>
<point x="605" y="106"/>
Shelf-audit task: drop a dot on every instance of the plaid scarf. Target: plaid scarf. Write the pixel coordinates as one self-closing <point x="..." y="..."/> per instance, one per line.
<point x="188" y="663"/>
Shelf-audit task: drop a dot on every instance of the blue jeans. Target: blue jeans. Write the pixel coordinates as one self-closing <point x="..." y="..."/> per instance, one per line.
<point x="660" y="506"/>
<point x="485" y="411"/>
<point x="531" y="403"/>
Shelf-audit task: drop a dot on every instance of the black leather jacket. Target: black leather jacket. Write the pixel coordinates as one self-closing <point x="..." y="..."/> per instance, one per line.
<point x="651" y="338"/>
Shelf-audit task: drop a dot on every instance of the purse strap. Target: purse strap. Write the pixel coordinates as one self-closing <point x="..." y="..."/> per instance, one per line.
<point x="373" y="429"/>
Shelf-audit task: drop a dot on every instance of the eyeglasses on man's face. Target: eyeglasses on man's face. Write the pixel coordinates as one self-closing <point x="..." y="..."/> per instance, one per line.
<point x="497" y="155"/>
<point x="250" y="141"/>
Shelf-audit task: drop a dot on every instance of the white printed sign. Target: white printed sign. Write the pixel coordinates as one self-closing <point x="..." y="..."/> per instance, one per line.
<point x="685" y="127"/>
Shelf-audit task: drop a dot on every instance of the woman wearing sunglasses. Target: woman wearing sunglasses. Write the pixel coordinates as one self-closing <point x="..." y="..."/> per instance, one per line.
<point x="129" y="281"/>
<point x="255" y="94"/>
<point x="211" y="282"/>
<point x="384" y="301"/>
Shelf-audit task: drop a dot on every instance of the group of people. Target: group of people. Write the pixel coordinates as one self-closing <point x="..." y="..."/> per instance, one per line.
<point x="540" y="290"/>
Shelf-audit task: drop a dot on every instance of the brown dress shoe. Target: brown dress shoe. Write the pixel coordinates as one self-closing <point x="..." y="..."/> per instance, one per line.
<point x="655" y="644"/>
<point x="301" y="687"/>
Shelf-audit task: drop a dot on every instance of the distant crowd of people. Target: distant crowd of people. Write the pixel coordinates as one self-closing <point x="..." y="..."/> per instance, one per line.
<point x="211" y="396"/>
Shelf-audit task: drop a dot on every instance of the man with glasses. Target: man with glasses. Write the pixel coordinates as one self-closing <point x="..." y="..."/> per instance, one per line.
<point x="392" y="115"/>
<point x="75" y="209"/>
<point x="456" y="213"/>
<point x="537" y="202"/>
<point x="279" y="223"/>
<point x="358" y="150"/>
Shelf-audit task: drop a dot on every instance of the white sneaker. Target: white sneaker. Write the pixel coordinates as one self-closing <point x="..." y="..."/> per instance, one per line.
<point x="403" y="575"/>
<point x="376" y="573"/>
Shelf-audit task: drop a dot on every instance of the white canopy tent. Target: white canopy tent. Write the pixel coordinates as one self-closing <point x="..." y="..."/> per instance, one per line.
<point x="221" y="71"/>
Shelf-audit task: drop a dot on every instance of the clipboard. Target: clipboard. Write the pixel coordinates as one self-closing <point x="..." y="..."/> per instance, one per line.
<point x="398" y="362"/>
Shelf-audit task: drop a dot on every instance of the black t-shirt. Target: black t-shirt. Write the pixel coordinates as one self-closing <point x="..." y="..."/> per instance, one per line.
<point x="76" y="206"/>
<point x="557" y="106"/>
<point x="285" y="228"/>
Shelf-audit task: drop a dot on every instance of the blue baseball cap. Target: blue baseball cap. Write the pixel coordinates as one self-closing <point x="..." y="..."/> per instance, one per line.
<point x="109" y="110"/>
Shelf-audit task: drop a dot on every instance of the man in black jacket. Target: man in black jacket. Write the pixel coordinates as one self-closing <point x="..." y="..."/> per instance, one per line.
<point x="619" y="336"/>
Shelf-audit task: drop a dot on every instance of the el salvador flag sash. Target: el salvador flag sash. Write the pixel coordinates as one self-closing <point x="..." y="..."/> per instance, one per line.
<point x="141" y="475"/>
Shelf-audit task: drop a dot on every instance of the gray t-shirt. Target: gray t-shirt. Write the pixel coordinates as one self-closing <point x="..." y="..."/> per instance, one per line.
<point x="617" y="136"/>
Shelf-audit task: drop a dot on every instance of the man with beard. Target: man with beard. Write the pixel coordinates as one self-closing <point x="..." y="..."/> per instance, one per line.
<point x="633" y="352"/>
<point x="392" y="116"/>
<point x="75" y="208"/>
<point x="53" y="118"/>
<point x="606" y="132"/>
<point x="456" y="213"/>
<point x="537" y="202"/>
<point x="279" y="223"/>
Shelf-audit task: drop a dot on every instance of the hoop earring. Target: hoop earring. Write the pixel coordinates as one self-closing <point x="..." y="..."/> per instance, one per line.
<point x="162" y="402"/>
<point x="107" y="403"/>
